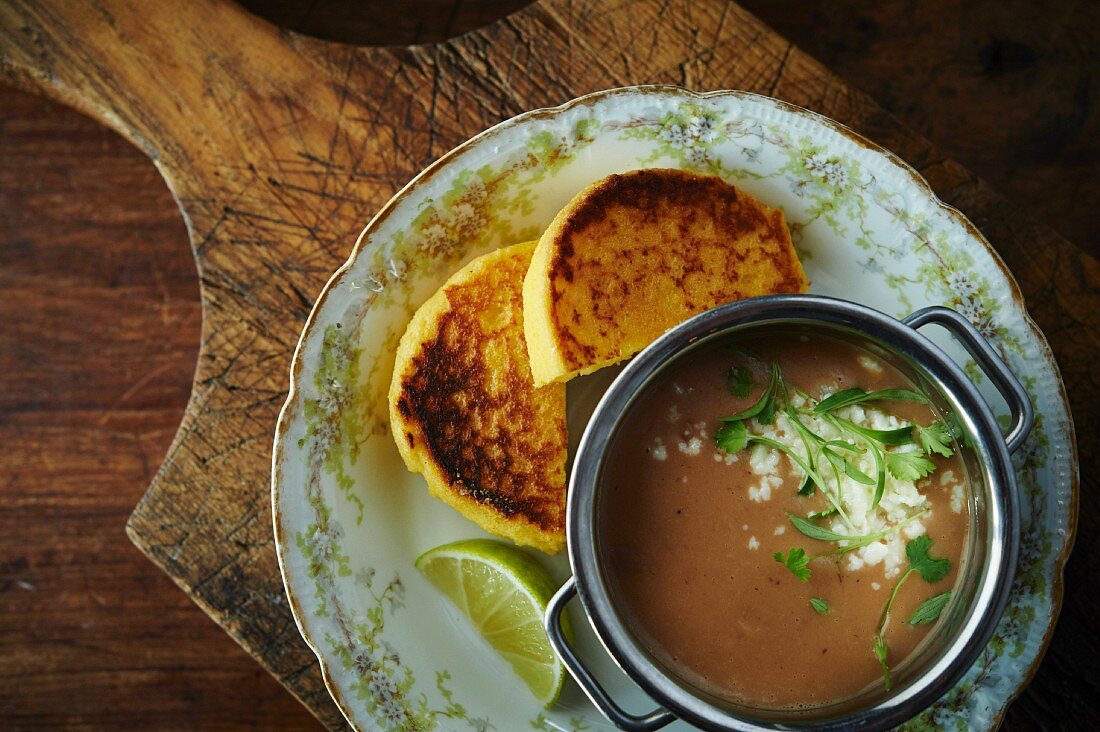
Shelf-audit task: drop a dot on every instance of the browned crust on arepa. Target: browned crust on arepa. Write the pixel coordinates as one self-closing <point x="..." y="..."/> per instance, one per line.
<point x="466" y="403"/>
<point x="699" y="214"/>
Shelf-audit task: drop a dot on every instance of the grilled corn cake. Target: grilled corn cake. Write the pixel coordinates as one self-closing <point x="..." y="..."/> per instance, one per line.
<point x="466" y="414"/>
<point x="634" y="254"/>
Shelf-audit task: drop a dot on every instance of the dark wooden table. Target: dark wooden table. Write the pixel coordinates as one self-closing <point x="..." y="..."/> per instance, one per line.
<point x="101" y="325"/>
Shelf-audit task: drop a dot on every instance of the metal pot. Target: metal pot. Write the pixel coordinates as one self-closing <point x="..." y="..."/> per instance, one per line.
<point x="989" y="560"/>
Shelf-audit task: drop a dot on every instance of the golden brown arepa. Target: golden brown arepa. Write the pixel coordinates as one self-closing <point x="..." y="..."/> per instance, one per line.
<point x="466" y="414"/>
<point x="634" y="254"/>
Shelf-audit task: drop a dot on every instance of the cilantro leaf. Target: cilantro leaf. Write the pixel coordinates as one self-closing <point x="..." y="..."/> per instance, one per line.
<point x="880" y="650"/>
<point x="807" y="487"/>
<point x="935" y="438"/>
<point x="895" y="437"/>
<point x="932" y="570"/>
<point x="732" y="437"/>
<point x="821" y="607"/>
<point x="806" y="527"/>
<point x="739" y="381"/>
<point x="928" y="567"/>
<point x="880" y="475"/>
<point x="768" y="396"/>
<point x="847" y="468"/>
<point x="816" y="532"/>
<point x="855" y="395"/>
<point x="767" y="412"/>
<point x="929" y="610"/>
<point x="845" y="445"/>
<point x="797" y="562"/>
<point x="839" y="399"/>
<point x="908" y="465"/>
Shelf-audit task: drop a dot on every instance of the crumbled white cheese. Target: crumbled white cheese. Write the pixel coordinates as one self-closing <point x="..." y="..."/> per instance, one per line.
<point x="693" y="437"/>
<point x="915" y="529"/>
<point x="659" y="452"/>
<point x="744" y="527"/>
<point x="692" y="447"/>
<point x="870" y="364"/>
<point x="717" y="457"/>
<point x="753" y="543"/>
<point x="763" y="460"/>
<point x="678" y="389"/>
<point x="763" y="492"/>
<point x="876" y="586"/>
<point x="874" y="553"/>
<point x="957" y="498"/>
<point x="780" y="530"/>
<point x="900" y="499"/>
<point x="673" y="414"/>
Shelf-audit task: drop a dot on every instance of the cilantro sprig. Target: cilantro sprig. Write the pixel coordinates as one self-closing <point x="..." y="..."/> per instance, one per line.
<point x="846" y="542"/>
<point x="763" y="411"/>
<point x="929" y="610"/>
<point x="931" y="570"/>
<point x="855" y="395"/>
<point x="836" y="456"/>
<point x="936" y="438"/>
<point x="903" y="452"/>
<point x="739" y="381"/>
<point x="797" y="562"/>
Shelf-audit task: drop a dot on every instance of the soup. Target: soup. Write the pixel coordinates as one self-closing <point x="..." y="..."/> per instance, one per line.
<point x="793" y="554"/>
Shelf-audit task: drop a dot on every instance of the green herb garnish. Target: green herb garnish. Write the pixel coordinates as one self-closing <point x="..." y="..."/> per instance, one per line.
<point x="899" y="436"/>
<point x="764" y="408"/>
<point x="820" y="606"/>
<point x="732" y="437"/>
<point x="908" y="465"/>
<point x="807" y="488"/>
<point x="846" y="467"/>
<point x="796" y="561"/>
<point x="935" y="438"/>
<point x="813" y="531"/>
<point x="837" y="455"/>
<point x="878" y="647"/>
<point x="855" y="395"/>
<point x="817" y="532"/>
<point x="931" y="570"/>
<point x="929" y="610"/>
<point x="739" y="381"/>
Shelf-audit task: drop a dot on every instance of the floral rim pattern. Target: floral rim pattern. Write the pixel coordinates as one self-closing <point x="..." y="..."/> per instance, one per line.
<point x="854" y="210"/>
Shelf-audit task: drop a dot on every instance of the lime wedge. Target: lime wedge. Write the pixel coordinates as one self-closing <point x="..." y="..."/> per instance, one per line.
<point x="504" y="592"/>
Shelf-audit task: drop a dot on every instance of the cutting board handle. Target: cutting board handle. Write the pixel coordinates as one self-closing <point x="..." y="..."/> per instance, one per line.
<point x="175" y="78"/>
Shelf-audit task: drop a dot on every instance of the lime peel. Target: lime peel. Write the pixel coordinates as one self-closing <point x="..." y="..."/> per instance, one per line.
<point x="504" y="592"/>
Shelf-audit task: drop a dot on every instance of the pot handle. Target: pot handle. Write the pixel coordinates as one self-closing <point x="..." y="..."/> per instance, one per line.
<point x="1023" y="413"/>
<point x="615" y="714"/>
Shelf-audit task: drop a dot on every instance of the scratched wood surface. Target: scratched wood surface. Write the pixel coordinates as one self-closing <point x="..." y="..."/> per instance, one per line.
<point x="279" y="148"/>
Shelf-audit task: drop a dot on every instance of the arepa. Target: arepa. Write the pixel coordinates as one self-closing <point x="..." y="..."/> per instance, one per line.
<point x="635" y="254"/>
<point x="465" y="412"/>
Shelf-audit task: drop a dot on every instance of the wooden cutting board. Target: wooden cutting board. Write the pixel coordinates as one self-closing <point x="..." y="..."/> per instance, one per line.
<point x="280" y="148"/>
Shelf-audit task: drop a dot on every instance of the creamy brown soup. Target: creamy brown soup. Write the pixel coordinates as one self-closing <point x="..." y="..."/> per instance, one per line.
<point x="688" y="533"/>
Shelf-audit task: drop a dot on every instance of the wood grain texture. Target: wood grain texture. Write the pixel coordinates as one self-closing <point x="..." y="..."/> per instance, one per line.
<point x="101" y="325"/>
<point x="279" y="148"/>
<point x="1006" y="87"/>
